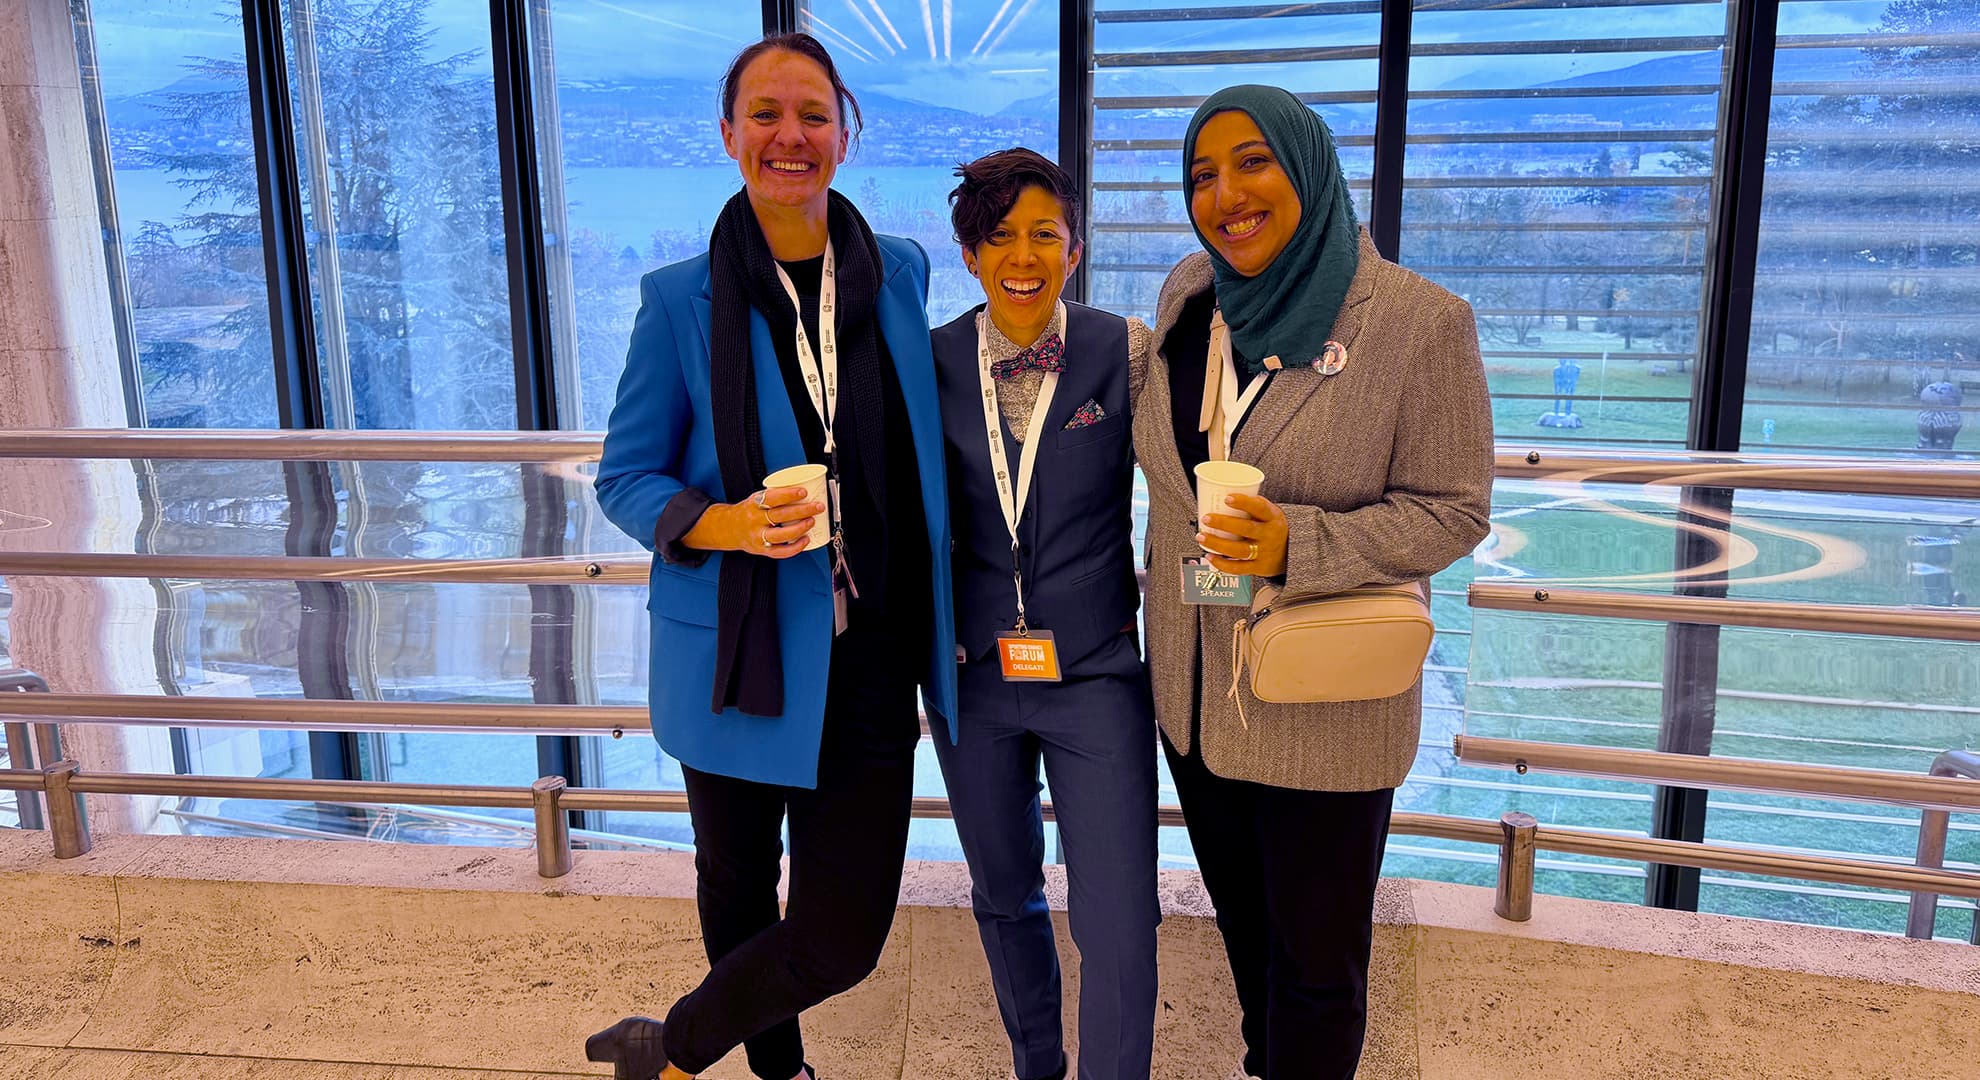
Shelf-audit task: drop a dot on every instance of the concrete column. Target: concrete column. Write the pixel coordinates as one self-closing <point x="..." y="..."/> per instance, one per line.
<point x="58" y="368"/>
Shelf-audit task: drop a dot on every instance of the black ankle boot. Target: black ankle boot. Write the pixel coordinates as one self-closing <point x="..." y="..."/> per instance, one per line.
<point x="632" y="1046"/>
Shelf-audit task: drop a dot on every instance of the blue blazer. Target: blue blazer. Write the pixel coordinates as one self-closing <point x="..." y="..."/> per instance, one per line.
<point x="661" y="438"/>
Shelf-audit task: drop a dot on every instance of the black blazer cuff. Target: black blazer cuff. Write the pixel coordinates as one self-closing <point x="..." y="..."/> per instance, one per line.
<point x="677" y="519"/>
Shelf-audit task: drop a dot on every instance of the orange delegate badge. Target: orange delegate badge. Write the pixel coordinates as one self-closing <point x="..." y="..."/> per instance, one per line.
<point x="1032" y="657"/>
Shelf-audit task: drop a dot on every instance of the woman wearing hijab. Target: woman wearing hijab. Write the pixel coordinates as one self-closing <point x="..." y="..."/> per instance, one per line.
<point x="784" y="673"/>
<point x="1356" y="387"/>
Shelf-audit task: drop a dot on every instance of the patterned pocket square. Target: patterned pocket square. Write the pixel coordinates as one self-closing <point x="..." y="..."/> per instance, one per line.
<point x="1087" y="415"/>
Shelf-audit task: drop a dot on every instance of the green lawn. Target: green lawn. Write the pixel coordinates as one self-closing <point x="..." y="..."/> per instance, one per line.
<point x="1810" y="416"/>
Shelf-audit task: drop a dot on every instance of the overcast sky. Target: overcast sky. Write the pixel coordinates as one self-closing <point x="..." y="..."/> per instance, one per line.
<point x="971" y="54"/>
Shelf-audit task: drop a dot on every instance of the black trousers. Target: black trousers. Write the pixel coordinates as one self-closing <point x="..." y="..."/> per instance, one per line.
<point x="1292" y="874"/>
<point x="848" y="840"/>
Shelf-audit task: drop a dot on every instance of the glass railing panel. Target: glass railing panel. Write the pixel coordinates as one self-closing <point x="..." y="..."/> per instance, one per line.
<point x="1850" y="701"/>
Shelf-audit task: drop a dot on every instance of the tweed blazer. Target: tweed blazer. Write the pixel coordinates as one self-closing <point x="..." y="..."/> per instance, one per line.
<point x="1384" y="472"/>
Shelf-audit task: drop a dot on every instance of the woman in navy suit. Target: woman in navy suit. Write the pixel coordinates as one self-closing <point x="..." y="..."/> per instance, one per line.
<point x="1036" y="395"/>
<point x="784" y="674"/>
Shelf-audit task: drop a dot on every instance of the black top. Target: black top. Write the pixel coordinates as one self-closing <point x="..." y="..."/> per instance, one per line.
<point x="1188" y="348"/>
<point x="887" y="538"/>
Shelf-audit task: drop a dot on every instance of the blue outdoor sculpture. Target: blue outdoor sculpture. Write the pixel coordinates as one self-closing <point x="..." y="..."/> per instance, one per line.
<point x="1566" y="374"/>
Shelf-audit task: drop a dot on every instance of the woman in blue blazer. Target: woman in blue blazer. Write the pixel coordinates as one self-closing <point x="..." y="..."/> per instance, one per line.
<point x="784" y="674"/>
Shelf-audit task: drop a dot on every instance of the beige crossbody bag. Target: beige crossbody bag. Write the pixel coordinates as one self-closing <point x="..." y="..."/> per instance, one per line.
<point x="1347" y="646"/>
<point x="1355" y="645"/>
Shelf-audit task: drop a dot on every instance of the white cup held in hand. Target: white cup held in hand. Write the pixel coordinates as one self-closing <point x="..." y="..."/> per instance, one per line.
<point x="812" y="479"/>
<point x="1216" y="479"/>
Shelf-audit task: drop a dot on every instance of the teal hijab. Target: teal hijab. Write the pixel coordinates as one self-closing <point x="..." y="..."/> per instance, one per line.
<point x="1290" y="307"/>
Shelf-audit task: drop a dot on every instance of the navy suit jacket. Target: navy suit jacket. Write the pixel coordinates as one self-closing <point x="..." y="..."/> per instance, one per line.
<point x="661" y="438"/>
<point x="1077" y="533"/>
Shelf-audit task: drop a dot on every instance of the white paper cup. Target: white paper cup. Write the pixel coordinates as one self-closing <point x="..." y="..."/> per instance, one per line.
<point x="812" y="479"/>
<point x="1216" y="479"/>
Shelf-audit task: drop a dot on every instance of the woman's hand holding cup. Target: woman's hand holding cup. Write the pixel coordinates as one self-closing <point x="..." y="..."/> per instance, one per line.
<point x="775" y="522"/>
<point x="1249" y="539"/>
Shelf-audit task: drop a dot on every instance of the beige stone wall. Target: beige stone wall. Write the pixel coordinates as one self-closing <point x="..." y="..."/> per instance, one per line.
<point x="58" y="368"/>
<point x="307" y="960"/>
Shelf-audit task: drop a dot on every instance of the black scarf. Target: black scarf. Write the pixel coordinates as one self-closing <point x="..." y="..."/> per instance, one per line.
<point x="749" y="668"/>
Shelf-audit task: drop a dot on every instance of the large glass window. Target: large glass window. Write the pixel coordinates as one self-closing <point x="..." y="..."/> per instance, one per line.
<point x="940" y="84"/>
<point x="635" y="173"/>
<point x="1558" y="176"/>
<point x="1153" y="67"/>
<point x="402" y="200"/>
<point x="177" y="175"/>
<point x="632" y="165"/>
<point x="1866" y="300"/>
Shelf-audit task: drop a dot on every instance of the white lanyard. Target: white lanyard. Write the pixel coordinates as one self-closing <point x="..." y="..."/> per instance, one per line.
<point x="1232" y="403"/>
<point x="1010" y="498"/>
<point x="821" y="371"/>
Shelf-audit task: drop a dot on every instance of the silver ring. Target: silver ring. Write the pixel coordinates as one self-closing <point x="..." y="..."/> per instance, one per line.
<point x="766" y="539"/>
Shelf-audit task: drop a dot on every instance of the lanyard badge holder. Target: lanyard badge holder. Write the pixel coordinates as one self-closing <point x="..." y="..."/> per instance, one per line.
<point x="1025" y="654"/>
<point x="821" y="383"/>
<point x="1224" y="408"/>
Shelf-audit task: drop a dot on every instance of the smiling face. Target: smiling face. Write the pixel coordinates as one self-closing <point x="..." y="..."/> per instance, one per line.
<point x="1240" y="196"/>
<point x="1023" y="264"/>
<point x="786" y="132"/>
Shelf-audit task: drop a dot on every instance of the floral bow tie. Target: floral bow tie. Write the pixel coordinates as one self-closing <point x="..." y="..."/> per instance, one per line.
<point x="1047" y="355"/>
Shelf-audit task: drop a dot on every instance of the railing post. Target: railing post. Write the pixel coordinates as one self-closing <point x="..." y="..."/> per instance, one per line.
<point x="68" y="822"/>
<point x="47" y="743"/>
<point x="20" y="745"/>
<point x="1932" y="828"/>
<point x="20" y="755"/>
<point x="553" y="829"/>
<point x="1515" y="898"/>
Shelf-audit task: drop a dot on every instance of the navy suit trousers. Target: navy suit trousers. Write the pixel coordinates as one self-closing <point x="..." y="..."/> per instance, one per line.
<point x="1094" y="734"/>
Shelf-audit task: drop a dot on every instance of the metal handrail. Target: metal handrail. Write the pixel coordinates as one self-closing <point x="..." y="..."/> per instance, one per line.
<point x="549" y="570"/>
<point x="549" y="798"/>
<point x="1838" y="475"/>
<point x="1932" y="827"/>
<point x="495" y="447"/>
<point x="1942" y="791"/>
<point x="1834" y="475"/>
<point x="21" y="750"/>
<point x="304" y="714"/>
<point x="1941" y="624"/>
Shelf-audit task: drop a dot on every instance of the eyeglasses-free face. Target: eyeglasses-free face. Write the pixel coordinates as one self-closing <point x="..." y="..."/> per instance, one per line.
<point x="1024" y="262"/>
<point x="786" y="133"/>
<point x="1240" y="196"/>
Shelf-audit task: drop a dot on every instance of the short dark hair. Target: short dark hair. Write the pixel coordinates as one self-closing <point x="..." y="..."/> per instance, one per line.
<point x="991" y="185"/>
<point x="806" y="46"/>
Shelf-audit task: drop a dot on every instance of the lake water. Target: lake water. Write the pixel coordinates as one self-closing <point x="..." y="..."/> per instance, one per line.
<point x="627" y="205"/>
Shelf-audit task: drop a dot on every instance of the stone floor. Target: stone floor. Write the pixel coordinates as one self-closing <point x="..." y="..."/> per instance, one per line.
<point x="204" y="957"/>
